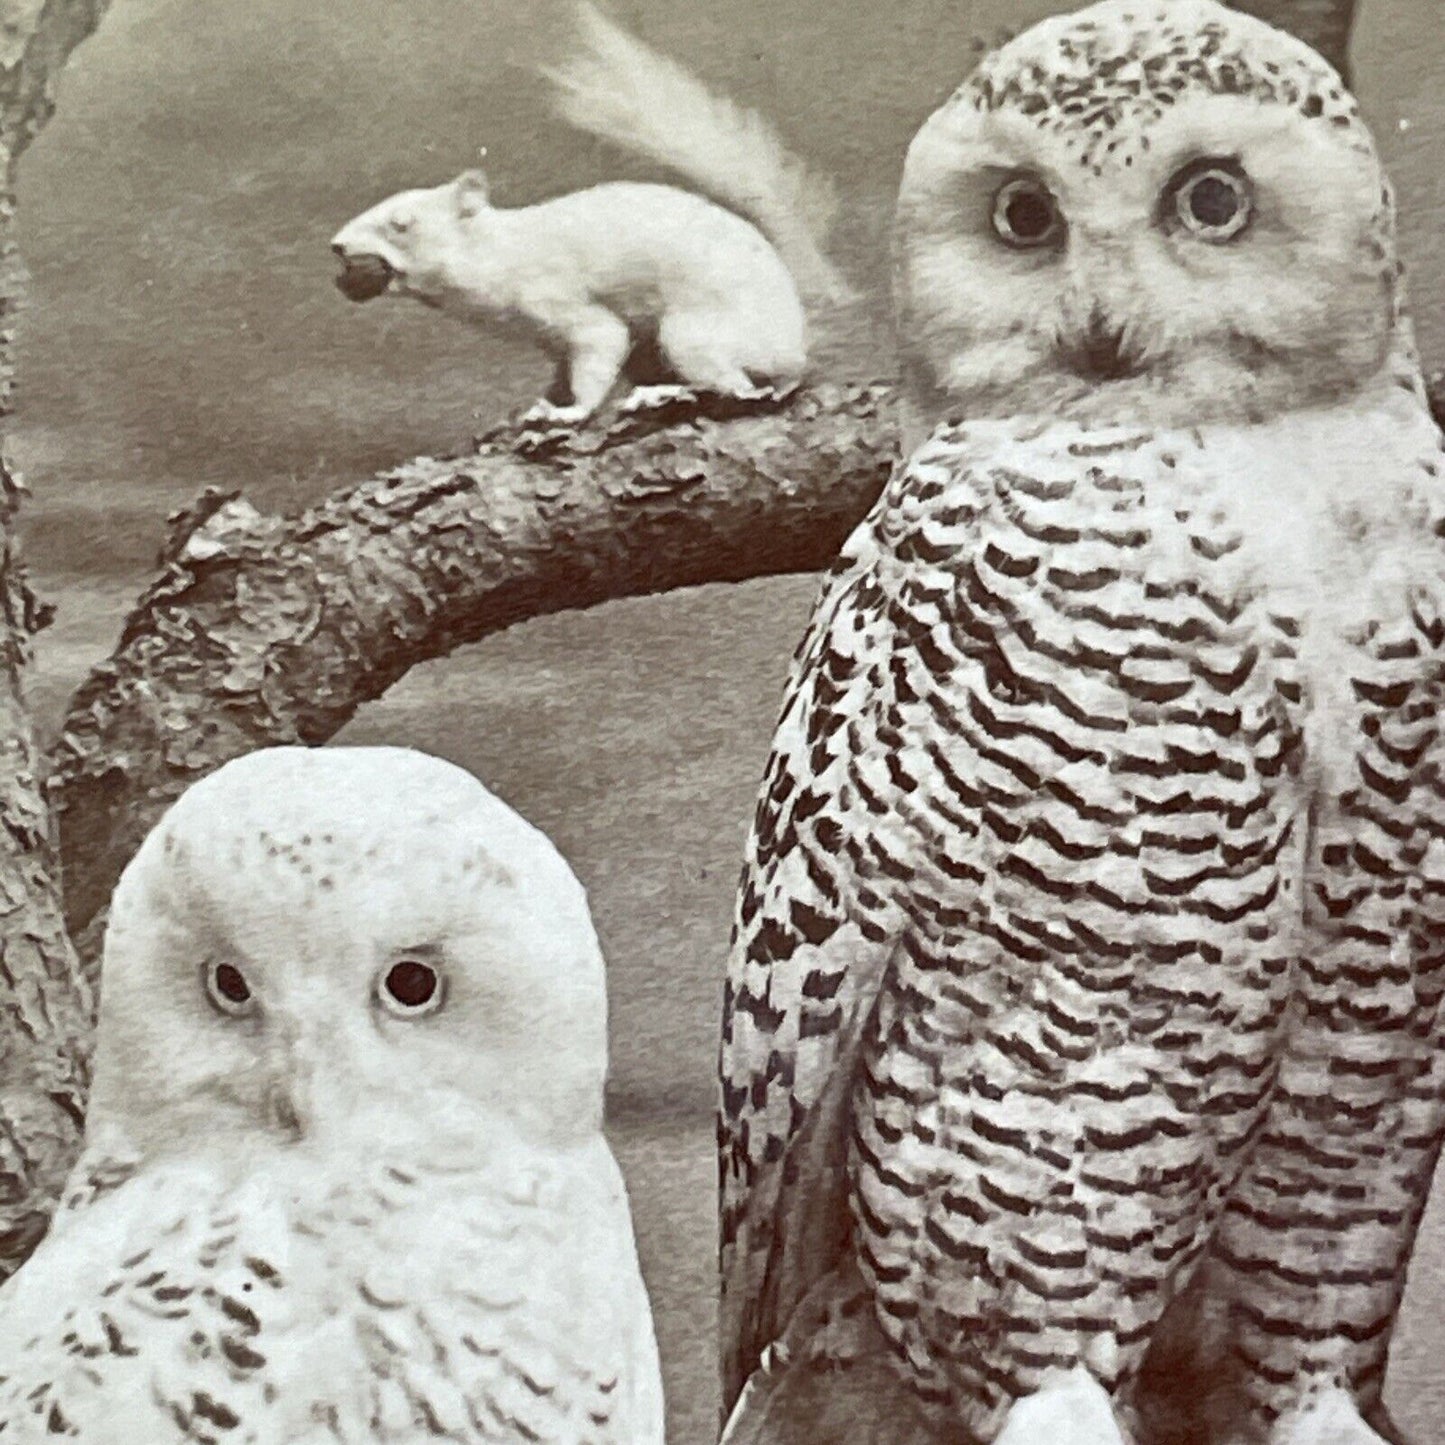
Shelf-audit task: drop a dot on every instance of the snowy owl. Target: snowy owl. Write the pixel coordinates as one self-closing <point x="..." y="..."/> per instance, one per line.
<point x="1080" y="1028"/>
<point x="344" y="1177"/>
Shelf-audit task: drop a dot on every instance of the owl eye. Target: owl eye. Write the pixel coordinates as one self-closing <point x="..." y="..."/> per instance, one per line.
<point x="1025" y="214"/>
<point x="227" y="989"/>
<point x="409" y="988"/>
<point x="1211" y="199"/>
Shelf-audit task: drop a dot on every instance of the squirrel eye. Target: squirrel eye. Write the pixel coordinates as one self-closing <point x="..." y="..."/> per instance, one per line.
<point x="1211" y="199"/>
<point x="227" y="989"/>
<point x="1025" y="214"/>
<point x="409" y="988"/>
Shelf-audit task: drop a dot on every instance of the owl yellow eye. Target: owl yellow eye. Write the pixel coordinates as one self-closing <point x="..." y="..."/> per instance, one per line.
<point x="410" y="987"/>
<point x="1025" y="214"/>
<point x="1211" y="199"/>
<point x="227" y="989"/>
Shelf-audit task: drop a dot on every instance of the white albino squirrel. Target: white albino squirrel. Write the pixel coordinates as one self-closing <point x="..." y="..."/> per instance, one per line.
<point x="626" y="272"/>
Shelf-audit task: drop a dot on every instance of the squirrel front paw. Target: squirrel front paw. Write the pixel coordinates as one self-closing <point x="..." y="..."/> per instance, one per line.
<point x="548" y="414"/>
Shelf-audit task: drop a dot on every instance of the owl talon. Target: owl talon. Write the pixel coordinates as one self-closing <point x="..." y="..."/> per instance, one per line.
<point x="1071" y="1409"/>
<point x="1330" y="1418"/>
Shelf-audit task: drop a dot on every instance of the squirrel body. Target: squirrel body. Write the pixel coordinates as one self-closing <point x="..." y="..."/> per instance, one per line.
<point x="634" y="278"/>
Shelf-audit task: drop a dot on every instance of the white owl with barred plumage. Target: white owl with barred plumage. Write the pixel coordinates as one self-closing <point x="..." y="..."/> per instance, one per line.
<point x="344" y="1177"/>
<point x="1080" y="1048"/>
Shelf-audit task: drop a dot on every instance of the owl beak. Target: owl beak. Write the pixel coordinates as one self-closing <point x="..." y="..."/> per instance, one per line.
<point x="288" y="1109"/>
<point x="290" y="1102"/>
<point x="1099" y="350"/>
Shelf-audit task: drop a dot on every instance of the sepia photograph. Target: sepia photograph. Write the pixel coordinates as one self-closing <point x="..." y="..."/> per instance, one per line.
<point x="722" y="725"/>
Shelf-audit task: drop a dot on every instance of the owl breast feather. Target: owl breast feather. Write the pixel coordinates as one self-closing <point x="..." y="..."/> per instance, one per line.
<point x="1078" y="790"/>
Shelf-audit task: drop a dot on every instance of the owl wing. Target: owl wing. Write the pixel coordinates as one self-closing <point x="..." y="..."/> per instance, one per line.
<point x="126" y="1323"/>
<point x="810" y="951"/>
<point x="1355" y="1122"/>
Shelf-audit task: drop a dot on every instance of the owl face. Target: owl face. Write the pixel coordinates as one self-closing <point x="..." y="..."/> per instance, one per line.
<point x="1152" y="211"/>
<point x="357" y="949"/>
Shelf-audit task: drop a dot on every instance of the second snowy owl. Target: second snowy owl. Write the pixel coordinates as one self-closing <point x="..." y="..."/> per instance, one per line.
<point x="344" y="1180"/>
<point x="1082" y="1020"/>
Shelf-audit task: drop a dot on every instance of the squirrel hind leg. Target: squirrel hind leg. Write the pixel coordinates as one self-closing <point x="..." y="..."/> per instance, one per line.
<point x="710" y="352"/>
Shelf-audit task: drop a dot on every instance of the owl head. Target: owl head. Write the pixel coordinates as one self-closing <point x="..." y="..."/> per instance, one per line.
<point x="347" y="948"/>
<point x="1157" y="211"/>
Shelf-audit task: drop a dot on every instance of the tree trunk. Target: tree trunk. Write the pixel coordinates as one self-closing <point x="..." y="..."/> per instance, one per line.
<point x="46" y="1005"/>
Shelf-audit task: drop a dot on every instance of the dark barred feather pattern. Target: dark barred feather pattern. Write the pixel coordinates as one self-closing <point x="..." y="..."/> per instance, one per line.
<point x="1113" y="955"/>
<point x="1316" y="1235"/>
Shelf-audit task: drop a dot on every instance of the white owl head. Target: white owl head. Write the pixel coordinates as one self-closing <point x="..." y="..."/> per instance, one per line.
<point x="355" y="948"/>
<point x="1148" y="211"/>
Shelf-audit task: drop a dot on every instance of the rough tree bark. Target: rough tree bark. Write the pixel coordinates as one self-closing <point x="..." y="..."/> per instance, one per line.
<point x="45" y="1002"/>
<point x="272" y="629"/>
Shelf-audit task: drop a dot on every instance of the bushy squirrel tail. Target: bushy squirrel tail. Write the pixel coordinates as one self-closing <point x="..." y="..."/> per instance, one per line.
<point x="616" y="87"/>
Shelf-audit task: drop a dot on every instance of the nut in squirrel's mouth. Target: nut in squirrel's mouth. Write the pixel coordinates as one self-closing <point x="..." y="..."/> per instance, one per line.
<point x="364" y="277"/>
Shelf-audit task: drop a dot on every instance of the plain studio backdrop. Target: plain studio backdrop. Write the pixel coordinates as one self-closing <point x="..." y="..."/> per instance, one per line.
<point x="183" y="331"/>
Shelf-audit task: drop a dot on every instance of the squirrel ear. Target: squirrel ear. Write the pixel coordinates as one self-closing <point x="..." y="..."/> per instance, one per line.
<point x="471" y="192"/>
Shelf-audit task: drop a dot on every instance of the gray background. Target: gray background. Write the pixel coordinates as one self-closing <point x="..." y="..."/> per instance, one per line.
<point x="183" y="331"/>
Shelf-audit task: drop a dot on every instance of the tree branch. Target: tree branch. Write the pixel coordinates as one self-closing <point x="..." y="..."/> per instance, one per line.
<point x="264" y="629"/>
